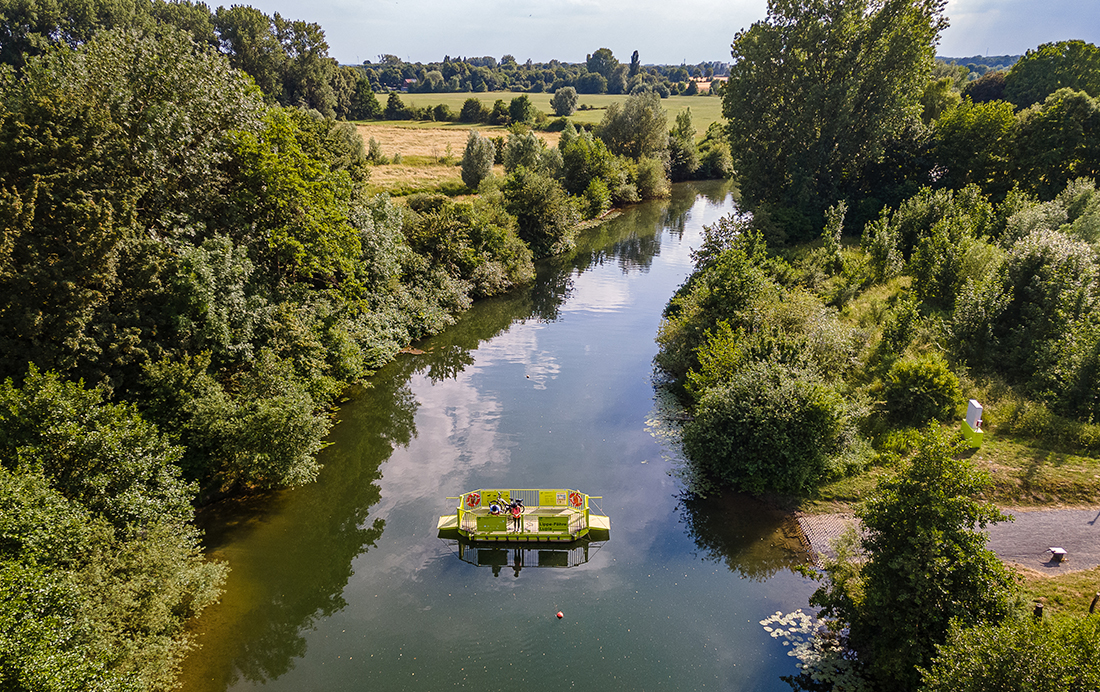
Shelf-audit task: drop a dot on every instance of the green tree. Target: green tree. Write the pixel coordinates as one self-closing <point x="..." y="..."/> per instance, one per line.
<point x="521" y="110"/>
<point x="728" y="276"/>
<point x="1060" y="653"/>
<point x="975" y="143"/>
<point x="770" y="427"/>
<point x="546" y="220"/>
<point x="591" y="83"/>
<point x="1050" y="67"/>
<point x="499" y="115"/>
<point x="298" y="198"/>
<point x="816" y="91"/>
<point x="308" y="69"/>
<point x="1058" y="141"/>
<point x="926" y="564"/>
<point x="564" y="102"/>
<point x="145" y="123"/>
<point x="473" y="111"/>
<point x="683" y="154"/>
<point x="1027" y="318"/>
<point x="100" y="566"/>
<point x="585" y="158"/>
<point x="939" y="95"/>
<point x="651" y="180"/>
<point x="477" y="159"/>
<point x="603" y="63"/>
<point x="989" y="87"/>
<point x="921" y="389"/>
<point x="636" y="128"/>
<point x="396" y="108"/>
<point x="247" y="37"/>
<point x="31" y="27"/>
<point x="525" y="149"/>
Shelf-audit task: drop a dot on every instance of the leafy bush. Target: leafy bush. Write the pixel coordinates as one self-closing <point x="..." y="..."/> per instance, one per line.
<point x="521" y="110"/>
<point x="523" y="150"/>
<point x="1059" y="653"/>
<point x="545" y="218"/>
<point x="597" y="198"/>
<point x="683" y="154"/>
<point x="585" y="158"/>
<point x="772" y="427"/>
<point x="473" y="111"/>
<point x="374" y="153"/>
<point x="564" y="102"/>
<point x="477" y="159"/>
<point x="636" y="128"/>
<point x="926" y="562"/>
<point x="99" y="564"/>
<point x="920" y="389"/>
<point x="651" y="180"/>
<point x="726" y="282"/>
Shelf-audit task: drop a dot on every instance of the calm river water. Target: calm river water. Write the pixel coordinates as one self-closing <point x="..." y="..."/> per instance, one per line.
<point x="344" y="585"/>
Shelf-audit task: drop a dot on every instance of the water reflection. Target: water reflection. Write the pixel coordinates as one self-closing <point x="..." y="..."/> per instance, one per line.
<point x="516" y="558"/>
<point x="751" y="537"/>
<point x="297" y="555"/>
<point x="292" y="552"/>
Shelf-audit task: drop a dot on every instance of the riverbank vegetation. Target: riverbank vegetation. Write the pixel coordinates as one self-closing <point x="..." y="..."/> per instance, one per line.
<point x="195" y="268"/>
<point x="194" y="271"/>
<point x="838" y="371"/>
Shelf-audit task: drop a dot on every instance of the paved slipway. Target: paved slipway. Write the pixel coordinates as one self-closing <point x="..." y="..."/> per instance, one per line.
<point x="1025" y="541"/>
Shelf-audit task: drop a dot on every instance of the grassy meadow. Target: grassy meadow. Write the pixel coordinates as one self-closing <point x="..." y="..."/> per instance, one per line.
<point x="431" y="151"/>
<point x="430" y="154"/>
<point x="704" y="109"/>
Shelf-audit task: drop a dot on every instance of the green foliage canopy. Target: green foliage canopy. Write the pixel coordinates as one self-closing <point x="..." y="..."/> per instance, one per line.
<point x="818" y="88"/>
<point x="926" y="564"/>
<point x="1050" y="67"/>
<point x="477" y="159"/>
<point x="1061" y="653"/>
<point x="99" y="565"/>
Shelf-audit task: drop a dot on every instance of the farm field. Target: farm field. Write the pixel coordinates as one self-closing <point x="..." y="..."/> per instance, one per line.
<point x="428" y="165"/>
<point x="430" y="154"/>
<point x="704" y="109"/>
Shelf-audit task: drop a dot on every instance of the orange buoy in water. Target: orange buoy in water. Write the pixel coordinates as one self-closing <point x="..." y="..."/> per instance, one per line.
<point x="560" y="615"/>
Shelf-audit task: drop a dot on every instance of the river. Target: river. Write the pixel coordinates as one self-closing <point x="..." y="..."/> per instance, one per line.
<point x="344" y="584"/>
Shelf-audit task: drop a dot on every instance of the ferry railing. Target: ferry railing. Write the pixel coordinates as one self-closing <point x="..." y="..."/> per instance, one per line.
<point x="469" y="503"/>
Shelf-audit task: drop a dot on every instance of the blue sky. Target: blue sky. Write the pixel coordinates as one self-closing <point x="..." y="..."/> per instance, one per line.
<point x="662" y="31"/>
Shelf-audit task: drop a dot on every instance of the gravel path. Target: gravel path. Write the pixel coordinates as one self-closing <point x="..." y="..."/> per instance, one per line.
<point x="1024" y="541"/>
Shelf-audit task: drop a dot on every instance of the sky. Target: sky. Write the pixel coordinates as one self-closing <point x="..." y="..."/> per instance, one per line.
<point x="662" y="31"/>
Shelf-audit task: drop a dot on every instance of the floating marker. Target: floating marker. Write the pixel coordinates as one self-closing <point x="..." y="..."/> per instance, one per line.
<point x="560" y="615"/>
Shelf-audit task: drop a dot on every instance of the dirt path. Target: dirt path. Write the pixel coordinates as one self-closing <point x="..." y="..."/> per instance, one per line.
<point x="1023" y="542"/>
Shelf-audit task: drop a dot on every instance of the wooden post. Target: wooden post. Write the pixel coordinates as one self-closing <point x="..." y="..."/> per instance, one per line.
<point x="1095" y="600"/>
<point x="1038" y="612"/>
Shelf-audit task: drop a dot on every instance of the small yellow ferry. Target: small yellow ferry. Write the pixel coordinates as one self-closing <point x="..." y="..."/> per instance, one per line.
<point x="525" y="516"/>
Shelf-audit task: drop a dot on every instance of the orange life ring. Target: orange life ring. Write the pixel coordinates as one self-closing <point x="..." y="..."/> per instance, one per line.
<point x="473" y="499"/>
<point x="575" y="499"/>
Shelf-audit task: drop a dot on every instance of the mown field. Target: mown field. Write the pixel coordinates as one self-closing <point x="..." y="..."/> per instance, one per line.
<point x="430" y="151"/>
<point x="704" y="109"/>
<point x="430" y="154"/>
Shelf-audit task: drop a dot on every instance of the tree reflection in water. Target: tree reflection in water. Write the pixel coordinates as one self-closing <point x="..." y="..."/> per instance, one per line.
<point x="751" y="537"/>
<point x="319" y="530"/>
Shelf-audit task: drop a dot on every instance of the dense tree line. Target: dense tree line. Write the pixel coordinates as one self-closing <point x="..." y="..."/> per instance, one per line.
<point x="288" y="59"/>
<point x="600" y="73"/>
<point x="192" y="275"/>
<point x="997" y="240"/>
<point x="812" y="123"/>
